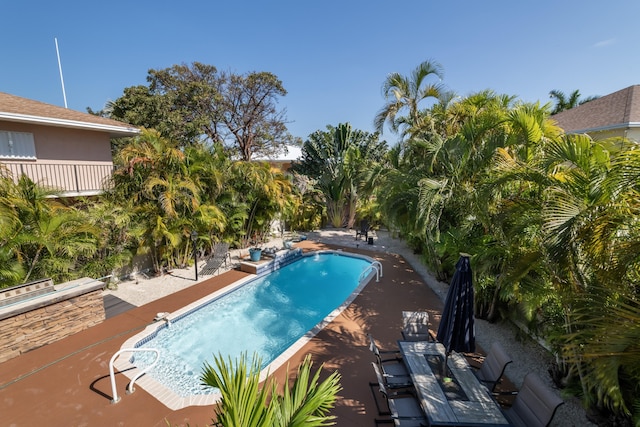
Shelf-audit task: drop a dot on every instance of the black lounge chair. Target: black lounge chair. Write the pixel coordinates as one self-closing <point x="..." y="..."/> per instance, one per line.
<point x="364" y="230"/>
<point x="219" y="256"/>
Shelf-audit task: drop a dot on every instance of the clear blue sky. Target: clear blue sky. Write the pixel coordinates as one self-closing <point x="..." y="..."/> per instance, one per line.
<point x="332" y="55"/>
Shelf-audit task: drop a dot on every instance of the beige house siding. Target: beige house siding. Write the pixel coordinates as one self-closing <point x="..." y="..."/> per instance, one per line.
<point x="70" y="161"/>
<point x="632" y="134"/>
<point x="57" y="144"/>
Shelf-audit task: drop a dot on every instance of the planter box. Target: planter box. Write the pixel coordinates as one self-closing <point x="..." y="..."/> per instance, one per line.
<point x="281" y="259"/>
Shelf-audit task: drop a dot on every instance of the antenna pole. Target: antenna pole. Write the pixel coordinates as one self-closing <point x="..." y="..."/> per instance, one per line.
<point x="64" y="94"/>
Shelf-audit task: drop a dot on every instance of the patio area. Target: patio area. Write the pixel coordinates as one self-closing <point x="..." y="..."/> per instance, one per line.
<point x="67" y="382"/>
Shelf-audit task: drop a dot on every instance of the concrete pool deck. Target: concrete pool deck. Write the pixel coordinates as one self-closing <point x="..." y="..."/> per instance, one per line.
<point x="67" y="383"/>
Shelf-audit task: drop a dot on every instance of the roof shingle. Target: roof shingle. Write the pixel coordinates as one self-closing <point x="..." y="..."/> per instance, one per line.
<point x="15" y="108"/>
<point x="620" y="109"/>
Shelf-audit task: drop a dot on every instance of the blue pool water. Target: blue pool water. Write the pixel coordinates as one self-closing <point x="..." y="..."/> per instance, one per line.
<point x="266" y="315"/>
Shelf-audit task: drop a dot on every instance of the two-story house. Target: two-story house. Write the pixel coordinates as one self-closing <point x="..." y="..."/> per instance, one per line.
<point x="57" y="147"/>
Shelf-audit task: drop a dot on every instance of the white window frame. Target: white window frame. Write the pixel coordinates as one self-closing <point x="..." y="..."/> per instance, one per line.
<point x="17" y="145"/>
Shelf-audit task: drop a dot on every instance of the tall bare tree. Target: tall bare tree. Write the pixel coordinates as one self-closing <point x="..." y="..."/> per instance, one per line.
<point x="194" y="104"/>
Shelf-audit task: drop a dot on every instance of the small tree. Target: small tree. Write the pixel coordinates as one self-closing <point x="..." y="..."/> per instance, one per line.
<point x="339" y="160"/>
<point x="306" y="403"/>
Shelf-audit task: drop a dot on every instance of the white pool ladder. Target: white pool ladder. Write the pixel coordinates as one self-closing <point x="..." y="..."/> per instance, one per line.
<point x="376" y="266"/>
<point x="131" y="388"/>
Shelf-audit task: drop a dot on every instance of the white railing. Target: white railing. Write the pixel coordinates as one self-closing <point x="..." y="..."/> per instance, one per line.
<point x="376" y="266"/>
<point x="131" y="388"/>
<point x="66" y="178"/>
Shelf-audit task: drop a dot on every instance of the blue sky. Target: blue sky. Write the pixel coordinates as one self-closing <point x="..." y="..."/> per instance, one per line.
<point x="332" y="56"/>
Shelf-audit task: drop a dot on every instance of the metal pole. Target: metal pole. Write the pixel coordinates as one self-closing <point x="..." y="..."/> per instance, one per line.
<point x="64" y="94"/>
<point x="195" y="259"/>
<point x="194" y="237"/>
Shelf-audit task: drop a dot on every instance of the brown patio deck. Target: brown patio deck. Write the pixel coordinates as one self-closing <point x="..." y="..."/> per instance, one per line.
<point x="67" y="383"/>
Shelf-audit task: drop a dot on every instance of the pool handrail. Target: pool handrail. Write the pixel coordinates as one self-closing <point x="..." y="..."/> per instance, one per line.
<point x="373" y="266"/>
<point x="130" y="388"/>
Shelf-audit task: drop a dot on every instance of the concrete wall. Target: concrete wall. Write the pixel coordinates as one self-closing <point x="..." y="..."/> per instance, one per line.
<point x="43" y="320"/>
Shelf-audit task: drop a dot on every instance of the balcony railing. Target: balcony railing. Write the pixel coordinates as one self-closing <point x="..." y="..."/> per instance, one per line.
<point x="69" y="179"/>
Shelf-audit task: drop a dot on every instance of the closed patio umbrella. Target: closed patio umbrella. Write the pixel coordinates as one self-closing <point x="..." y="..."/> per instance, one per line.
<point x="457" y="331"/>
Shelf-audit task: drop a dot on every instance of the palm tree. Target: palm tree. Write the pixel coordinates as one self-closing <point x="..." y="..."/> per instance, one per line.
<point x="262" y="193"/>
<point x="564" y="102"/>
<point x="339" y="160"/>
<point x="406" y="93"/>
<point x="11" y="268"/>
<point x="306" y="403"/>
<point x="50" y="237"/>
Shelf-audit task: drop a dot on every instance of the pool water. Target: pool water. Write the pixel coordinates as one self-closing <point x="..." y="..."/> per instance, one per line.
<point x="266" y="315"/>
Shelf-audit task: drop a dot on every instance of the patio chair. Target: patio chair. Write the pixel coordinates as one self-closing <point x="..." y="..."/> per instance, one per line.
<point x="364" y="230"/>
<point x="415" y="326"/>
<point x="534" y="405"/>
<point x="492" y="369"/>
<point x="219" y="256"/>
<point x="404" y="407"/>
<point x="393" y="370"/>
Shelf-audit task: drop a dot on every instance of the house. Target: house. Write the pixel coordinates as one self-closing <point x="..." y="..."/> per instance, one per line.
<point x="57" y="147"/>
<point x="282" y="161"/>
<point x="613" y="115"/>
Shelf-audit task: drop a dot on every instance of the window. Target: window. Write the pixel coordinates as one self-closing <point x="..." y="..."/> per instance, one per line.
<point x="17" y="145"/>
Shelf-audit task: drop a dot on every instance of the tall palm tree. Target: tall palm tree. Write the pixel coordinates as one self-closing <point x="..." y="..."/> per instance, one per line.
<point x="339" y="160"/>
<point x="564" y="102"/>
<point x="404" y="94"/>
<point x="263" y="192"/>
<point x="51" y="236"/>
<point x="11" y="268"/>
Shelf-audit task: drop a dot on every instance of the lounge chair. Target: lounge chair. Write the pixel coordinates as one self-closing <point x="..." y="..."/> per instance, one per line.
<point x="534" y="405"/>
<point x="219" y="256"/>
<point x="415" y="326"/>
<point x="364" y="230"/>
<point x="493" y="366"/>
<point x="404" y="407"/>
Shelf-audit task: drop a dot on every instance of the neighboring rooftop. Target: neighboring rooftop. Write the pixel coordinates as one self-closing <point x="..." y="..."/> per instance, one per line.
<point x="16" y="109"/>
<point x="292" y="152"/>
<point x="619" y="110"/>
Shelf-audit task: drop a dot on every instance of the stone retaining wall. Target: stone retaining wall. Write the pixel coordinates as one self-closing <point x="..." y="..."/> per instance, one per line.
<point x="46" y="319"/>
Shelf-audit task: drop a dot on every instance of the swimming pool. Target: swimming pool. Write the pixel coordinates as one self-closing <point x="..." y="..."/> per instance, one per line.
<point x="273" y="315"/>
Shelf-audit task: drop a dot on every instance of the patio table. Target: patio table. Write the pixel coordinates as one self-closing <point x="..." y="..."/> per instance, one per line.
<point x="451" y="398"/>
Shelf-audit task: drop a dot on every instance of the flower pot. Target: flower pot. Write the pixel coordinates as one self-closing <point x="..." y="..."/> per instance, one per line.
<point x="255" y="254"/>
